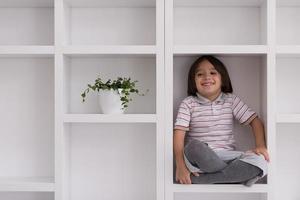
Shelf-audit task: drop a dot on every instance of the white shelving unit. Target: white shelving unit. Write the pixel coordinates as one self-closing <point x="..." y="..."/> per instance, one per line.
<point x="54" y="147"/>
<point x="27" y="103"/>
<point x="241" y="34"/>
<point x="288" y="112"/>
<point x="99" y="154"/>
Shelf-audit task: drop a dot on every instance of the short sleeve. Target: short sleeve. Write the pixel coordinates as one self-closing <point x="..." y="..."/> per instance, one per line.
<point x="183" y="117"/>
<point x="242" y="112"/>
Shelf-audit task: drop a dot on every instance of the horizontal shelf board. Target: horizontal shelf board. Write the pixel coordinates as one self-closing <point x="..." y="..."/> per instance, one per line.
<point x="288" y="118"/>
<point x="230" y="188"/>
<point x="26" y="3"/>
<point x="26" y="51"/>
<point x="289" y="3"/>
<point x="110" y="118"/>
<point x="27" y="184"/>
<point x="218" y="3"/>
<point x="220" y="49"/>
<point x="122" y="49"/>
<point x="109" y="3"/>
<point x="288" y="49"/>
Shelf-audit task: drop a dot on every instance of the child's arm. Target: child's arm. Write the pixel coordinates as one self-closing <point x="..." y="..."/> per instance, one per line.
<point x="182" y="172"/>
<point x="259" y="134"/>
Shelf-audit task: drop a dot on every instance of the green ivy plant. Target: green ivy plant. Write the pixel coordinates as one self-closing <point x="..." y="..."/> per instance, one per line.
<point x="125" y="86"/>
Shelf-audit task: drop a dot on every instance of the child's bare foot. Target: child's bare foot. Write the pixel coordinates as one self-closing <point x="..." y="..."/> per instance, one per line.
<point x="195" y="173"/>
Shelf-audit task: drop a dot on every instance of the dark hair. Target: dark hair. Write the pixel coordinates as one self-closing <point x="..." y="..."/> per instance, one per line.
<point x="226" y="86"/>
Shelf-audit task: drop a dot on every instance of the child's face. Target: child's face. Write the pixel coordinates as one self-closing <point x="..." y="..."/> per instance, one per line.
<point x="208" y="80"/>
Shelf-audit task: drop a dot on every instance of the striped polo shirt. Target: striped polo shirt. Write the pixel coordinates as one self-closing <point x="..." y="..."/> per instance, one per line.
<point x="212" y="121"/>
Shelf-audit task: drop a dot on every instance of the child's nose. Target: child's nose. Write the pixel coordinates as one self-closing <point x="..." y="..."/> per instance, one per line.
<point x="207" y="76"/>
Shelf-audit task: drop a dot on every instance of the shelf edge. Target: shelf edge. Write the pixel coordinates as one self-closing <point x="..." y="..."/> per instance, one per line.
<point x="257" y="188"/>
<point x="288" y="118"/>
<point x="26" y="50"/>
<point x="114" y="118"/>
<point x="220" y="49"/>
<point x="111" y="49"/>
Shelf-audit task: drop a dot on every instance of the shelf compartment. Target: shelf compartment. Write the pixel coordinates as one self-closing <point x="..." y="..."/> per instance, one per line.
<point x="287" y="70"/>
<point x="219" y="22"/>
<point x="27" y="106"/>
<point x="129" y="49"/>
<point x="248" y="75"/>
<point x="27" y="22"/>
<point x="287" y="148"/>
<point x="116" y="157"/>
<point x="27" y="195"/>
<point x="287" y="22"/>
<point x="80" y="70"/>
<point x="110" y="23"/>
<point x="117" y="118"/>
<point x="45" y="184"/>
<point x="222" y="195"/>
<point x="220" y="49"/>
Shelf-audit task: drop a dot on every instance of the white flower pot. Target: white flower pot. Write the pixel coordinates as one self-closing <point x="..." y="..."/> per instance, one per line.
<point x="110" y="103"/>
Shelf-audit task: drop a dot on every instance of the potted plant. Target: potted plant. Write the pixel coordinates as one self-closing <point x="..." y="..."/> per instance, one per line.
<point x="114" y="95"/>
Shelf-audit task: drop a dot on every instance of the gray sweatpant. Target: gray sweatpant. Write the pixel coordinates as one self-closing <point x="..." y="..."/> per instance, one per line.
<point x="215" y="170"/>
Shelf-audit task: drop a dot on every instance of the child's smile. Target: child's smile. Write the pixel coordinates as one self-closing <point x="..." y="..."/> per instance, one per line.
<point x="207" y="83"/>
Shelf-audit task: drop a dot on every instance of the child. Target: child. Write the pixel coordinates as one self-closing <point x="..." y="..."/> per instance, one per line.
<point x="203" y="137"/>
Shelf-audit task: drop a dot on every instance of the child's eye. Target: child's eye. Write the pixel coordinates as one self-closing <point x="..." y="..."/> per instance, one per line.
<point x="213" y="73"/>
<point x="199" y="74"/>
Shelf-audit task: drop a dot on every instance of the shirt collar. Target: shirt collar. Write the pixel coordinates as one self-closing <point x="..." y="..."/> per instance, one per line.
<point x="202" y="100"/>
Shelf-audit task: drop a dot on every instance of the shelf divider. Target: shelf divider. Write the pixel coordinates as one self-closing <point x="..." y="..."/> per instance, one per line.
<point x="220" y="49"/>
<point x="23" y="50"/>
<point x="213" y="188"/>
<point x="110" y="118"/>
<point x="288" y="118"/>
<point x="110" y="49"/>
<point x="28" y="184"/>
<point x="288" y="49"/>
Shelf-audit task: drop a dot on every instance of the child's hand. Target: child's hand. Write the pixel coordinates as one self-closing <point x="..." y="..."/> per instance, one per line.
<point x="262" y="151"/>
<point x="183" y="175"/>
